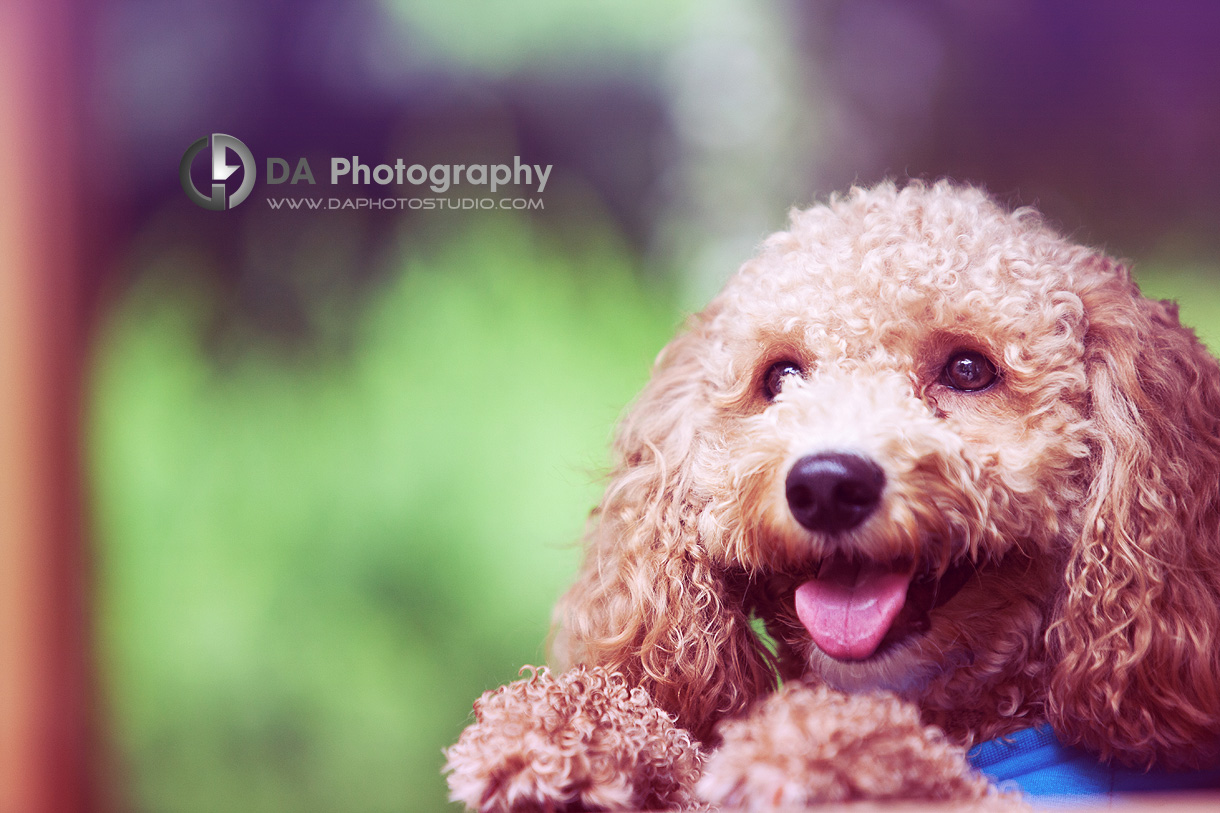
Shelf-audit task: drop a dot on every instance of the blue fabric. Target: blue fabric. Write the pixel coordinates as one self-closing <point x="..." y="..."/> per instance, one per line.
<point x="1035" y="761"/>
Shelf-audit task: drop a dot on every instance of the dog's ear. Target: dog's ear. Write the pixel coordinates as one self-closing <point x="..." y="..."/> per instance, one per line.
<point x="648" y="601"/>
<point x="1136" y="637"/>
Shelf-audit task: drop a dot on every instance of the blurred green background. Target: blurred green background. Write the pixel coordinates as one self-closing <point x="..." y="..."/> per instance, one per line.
<point x="313" y="566"/>
<point x="339" y="463"/>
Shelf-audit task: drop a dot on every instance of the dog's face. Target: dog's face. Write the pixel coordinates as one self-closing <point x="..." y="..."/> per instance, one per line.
<point x="937" y="449"/>
<point x="893" y="439"/>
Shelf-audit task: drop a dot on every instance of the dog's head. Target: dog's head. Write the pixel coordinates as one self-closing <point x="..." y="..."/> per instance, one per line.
<point x="937" y="449"/>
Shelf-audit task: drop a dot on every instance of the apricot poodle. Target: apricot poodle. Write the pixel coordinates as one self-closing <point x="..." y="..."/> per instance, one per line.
<point x="963" y="473"/>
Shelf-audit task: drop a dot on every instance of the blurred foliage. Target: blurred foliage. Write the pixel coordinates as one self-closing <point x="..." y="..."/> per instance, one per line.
<point x="309" y="568"/>
<point x="1193" y="286"/>
<point x="504" y="36"/>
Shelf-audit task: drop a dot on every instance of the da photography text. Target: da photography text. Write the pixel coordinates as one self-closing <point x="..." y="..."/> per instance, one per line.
<point x="350" y="171"/>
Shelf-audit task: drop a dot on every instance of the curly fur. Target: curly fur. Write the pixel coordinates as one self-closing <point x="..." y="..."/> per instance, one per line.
<point x="583" y="740"/>
<point x="804" y="746"/>
<point x="1083" y="489"/>
<point x="1135" y="636"/>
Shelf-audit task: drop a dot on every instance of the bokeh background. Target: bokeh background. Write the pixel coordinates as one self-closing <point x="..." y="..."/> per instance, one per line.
<point x="336" y="463"/>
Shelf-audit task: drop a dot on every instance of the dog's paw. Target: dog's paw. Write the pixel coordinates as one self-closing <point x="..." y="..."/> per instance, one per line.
<point x="806" y="746"/>
<point x="582" y="740"/>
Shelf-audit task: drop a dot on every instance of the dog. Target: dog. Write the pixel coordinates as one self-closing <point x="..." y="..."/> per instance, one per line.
<point x="944" y="474"/>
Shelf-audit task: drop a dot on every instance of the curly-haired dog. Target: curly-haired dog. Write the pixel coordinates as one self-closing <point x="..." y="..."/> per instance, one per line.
<point x="940" y="452"/>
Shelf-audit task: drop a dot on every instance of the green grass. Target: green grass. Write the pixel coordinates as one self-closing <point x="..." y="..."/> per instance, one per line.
<point x="310" y="568"/>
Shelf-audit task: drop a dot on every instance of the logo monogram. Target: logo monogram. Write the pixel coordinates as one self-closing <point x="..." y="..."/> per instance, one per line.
<point x="221" y="170"/>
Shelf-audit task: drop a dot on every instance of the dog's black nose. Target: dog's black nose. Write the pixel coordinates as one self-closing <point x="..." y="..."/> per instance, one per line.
<point x="833" y="491"/>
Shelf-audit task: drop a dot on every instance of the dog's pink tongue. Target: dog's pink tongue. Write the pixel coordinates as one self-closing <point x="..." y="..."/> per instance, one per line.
<point x="849" y="607"/>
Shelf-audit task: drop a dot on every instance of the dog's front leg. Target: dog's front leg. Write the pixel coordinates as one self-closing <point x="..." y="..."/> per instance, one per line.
<point x="806" y="746"/>
<point x="582" y="740"/>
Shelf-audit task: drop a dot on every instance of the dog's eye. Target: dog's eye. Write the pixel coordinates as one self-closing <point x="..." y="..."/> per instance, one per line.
<point x="969" y="371"/>
<point x="773" y="381"/>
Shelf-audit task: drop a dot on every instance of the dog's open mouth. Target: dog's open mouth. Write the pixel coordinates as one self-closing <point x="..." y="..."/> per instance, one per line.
<point x="855" y="609"/>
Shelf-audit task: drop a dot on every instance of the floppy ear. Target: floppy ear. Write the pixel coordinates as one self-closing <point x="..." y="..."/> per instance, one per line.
<point x="649" y="602"/>
<point x="1137" y="632"/>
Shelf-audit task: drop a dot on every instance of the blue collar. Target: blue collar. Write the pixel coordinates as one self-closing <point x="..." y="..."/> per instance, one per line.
<point x="1035" y="762"/>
